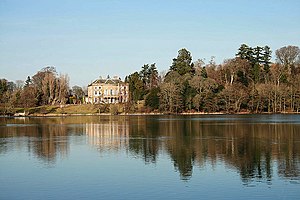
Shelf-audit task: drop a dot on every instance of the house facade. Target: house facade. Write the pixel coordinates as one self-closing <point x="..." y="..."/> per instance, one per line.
<point x="109" y="90"/>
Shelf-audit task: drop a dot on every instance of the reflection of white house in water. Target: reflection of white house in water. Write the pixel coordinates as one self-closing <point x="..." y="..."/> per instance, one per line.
<point x="108" y="135"/>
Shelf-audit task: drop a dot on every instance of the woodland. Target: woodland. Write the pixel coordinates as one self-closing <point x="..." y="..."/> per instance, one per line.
<point x="248" y="83"/>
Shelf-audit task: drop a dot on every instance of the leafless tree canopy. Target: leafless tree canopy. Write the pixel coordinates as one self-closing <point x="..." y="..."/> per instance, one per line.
<point x="288" y="56"/>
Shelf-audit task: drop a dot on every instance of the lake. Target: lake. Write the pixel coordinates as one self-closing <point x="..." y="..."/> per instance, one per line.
<point x="150" y="157"/>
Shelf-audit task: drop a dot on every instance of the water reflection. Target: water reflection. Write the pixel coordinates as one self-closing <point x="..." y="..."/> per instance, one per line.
<point x="112" y="134"/>
<point x="250" y="148"/>
<point x="46" y="139"/>
<point x="255" y="149"/>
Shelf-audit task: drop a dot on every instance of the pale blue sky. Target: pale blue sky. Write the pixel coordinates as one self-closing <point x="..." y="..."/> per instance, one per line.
<point x="89" y="38"/>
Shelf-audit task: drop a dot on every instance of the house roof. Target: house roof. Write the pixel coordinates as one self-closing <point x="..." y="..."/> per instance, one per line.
<point x="114" y="81"/>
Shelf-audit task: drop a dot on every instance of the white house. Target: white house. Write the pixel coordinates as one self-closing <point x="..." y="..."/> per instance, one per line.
<point x="109" y="90"/>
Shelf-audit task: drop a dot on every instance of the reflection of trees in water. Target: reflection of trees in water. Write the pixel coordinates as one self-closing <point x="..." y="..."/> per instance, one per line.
<point x="289" y="160"/>
<point x="3" y="146"/>
<point x="254" y="150"/>
<point x="183" y="159"/>
<point x="252" y="157"/>
<point x="277" y="142"/>
<point x="144" y="138"/>
<point x="181" y="147"/>
<point x="249" y="148"/>
<point x="46" y="138"/>
<point x="50" y="143"/>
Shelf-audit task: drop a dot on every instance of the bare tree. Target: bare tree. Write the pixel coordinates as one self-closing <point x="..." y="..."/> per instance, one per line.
<point x="169" y="97"/>
<point x="233" y="68"/>
<point x="48" y="88"/>
<point x="19" y="84"/>
<point x="287" y="55"/>
<point x="233" y="96"/>
<point x="63" y="88"/>
<point x="170" y="94"/>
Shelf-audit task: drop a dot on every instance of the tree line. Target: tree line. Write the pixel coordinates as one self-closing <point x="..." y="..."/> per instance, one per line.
<point x="249" y="82"/>
<point x="46" y="87"/>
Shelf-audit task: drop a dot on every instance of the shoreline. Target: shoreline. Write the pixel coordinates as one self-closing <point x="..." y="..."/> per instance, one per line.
<point x="142" y="114"/>
<point x="100" y="110"/>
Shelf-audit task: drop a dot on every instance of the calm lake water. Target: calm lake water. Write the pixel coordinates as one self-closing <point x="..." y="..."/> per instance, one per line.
<point x="150" y="157"/>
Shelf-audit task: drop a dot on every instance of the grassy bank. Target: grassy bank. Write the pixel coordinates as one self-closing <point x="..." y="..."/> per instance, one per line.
<point x="90" y="109"/>
<point x="84" y="109"/>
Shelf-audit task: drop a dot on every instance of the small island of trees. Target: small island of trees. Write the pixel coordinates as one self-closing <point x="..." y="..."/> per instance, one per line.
<point x="248" y="83"/>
